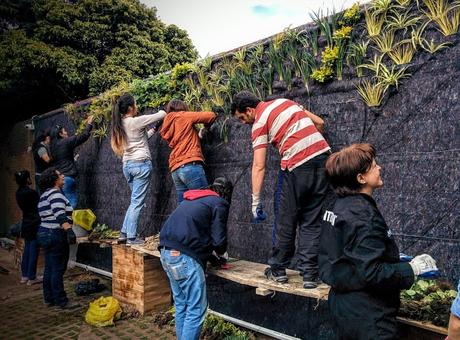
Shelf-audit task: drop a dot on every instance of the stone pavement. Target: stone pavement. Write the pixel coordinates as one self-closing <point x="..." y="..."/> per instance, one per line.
<point x="25" y="317"/>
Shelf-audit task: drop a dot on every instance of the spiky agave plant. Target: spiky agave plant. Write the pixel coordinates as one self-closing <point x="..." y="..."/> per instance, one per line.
<point x="392" y="76"/>
<point x="417" y="34"/>
<point x="402" y="21"/>
<point x="374" y="22"/>
<point x="381" y="6"/>
<point x="431" y="47"/>
<point x="384" y="41"/>
<point x="402" y="53"/>
<point x="373" y="65"/>
<point x="445" y="15"/>
<point x="371" y="92"/>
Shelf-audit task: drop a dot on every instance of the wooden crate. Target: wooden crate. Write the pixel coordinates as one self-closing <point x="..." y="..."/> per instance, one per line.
<point x="19" y="249"/>
<point x="139" y="280"/>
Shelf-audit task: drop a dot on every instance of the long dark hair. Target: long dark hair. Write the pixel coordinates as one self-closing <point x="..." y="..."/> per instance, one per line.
<point x="39" y="139"/>
<point x="119" y="109"/>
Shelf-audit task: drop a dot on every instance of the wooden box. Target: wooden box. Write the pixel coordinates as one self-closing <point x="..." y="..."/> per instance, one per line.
<point x="139" y="280"/>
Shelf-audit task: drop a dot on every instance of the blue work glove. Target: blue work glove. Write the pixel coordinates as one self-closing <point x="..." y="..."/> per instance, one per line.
<point x="424" y="266"/>
<point x="405" y="258"/>
<point x="258" y="213"/>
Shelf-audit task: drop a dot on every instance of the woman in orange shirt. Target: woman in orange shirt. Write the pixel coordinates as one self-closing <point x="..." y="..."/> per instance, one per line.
<point x="186" y="159"/>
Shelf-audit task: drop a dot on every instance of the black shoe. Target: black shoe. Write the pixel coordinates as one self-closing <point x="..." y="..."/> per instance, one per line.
<point x="276" y="275"/>
<point x="311" y="283"/>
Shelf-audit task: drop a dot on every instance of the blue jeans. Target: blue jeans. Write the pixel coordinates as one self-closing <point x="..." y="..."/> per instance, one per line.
<point x="54" y="243"/>
<point x="29" y="259"/>
<point x="70" y="190"/>
<point x="188" y="286"/>
<point x="189" y="176"/>
<point x="137" y="173"/>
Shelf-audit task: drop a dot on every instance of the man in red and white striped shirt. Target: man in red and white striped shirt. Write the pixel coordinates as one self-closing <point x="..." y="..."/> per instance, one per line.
<point x="296" y="134"/>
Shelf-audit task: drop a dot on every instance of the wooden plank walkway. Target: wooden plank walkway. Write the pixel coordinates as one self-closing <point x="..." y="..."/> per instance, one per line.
<point x="252" y="274"/>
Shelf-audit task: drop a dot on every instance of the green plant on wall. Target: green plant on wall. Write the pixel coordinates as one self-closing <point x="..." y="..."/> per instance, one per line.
<point x="431" y="47"/>
<point x="374" y="23"/>
<point x="350" y="16"/>
<point x="384" y="41"/>
<point x="371" y="92"/>
<point x="402" y="21"/>
<point x="356" y="54"/>
<point x="445" y="15"/>
<point x="402" y="53"/>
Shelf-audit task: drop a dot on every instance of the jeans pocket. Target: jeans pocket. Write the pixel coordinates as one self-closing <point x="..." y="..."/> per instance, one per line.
<point x="44" y="240"/>
<point x="178" y="270"/>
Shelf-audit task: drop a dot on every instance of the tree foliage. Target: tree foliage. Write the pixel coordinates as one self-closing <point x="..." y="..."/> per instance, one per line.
<point x="56" y="51"/>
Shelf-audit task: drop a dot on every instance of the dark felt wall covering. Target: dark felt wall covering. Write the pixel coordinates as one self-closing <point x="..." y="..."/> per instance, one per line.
<point x="416" y="133"/>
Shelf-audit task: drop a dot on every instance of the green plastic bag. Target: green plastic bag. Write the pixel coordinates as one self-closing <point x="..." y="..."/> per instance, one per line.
<point x="103" y="311"/>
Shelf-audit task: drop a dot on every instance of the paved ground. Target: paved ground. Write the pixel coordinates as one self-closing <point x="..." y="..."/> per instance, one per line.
<point x="25" y="317"/>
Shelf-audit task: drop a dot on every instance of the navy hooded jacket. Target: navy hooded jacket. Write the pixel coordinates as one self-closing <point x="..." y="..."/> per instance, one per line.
<point x="197" y="226"/>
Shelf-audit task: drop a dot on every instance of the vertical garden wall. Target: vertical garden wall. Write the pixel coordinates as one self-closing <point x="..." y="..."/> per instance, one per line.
<point x="387" y="75"/>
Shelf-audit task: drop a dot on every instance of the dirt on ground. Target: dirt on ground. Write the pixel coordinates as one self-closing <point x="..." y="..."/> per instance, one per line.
<point x="26" y="317"/>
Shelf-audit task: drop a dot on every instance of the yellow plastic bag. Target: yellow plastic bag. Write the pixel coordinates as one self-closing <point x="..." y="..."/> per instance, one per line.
<point x="103" y="311"/>
<point x="84" y="218"/>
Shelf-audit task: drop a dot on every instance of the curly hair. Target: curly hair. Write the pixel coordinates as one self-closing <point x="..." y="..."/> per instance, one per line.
<point x="48" y="179"/>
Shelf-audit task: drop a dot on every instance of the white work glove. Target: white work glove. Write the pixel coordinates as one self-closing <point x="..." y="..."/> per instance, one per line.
<point x="424" y="266"/>
<point x="255" y="203"/>
<point x="257" y="208"/>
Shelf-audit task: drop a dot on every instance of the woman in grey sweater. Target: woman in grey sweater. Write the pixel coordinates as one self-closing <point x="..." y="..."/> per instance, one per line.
<point x="130" y="141"/>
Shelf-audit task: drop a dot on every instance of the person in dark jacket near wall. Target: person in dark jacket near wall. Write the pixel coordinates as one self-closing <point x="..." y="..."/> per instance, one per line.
<point x="196" y="229"/>
<point x="27" y="200"/>
<point x="41" y="154"/>
<point x="358" y="257"/>
<point x="62" y="149"/>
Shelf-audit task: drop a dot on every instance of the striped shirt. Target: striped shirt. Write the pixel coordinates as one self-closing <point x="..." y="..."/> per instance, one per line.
<point x="285" y="125"/>
<point x="54" y="209"/>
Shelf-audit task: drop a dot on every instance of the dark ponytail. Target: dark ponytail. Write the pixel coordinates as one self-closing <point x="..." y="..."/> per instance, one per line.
<point x="119" y="109"/>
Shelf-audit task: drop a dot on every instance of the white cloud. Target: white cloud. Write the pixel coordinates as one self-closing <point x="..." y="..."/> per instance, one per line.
<point x="220" y="25"/>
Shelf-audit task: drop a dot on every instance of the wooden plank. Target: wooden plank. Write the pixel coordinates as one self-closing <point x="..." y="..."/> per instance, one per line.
<point x="155" y="252"/>
<point x="423" y="324"/>
<point x="252" y="274"/>
<point x="85" y="239"/>
<point x="263" y="291"/>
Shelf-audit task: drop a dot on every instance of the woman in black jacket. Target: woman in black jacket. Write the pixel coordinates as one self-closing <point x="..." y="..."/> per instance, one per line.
<point x="27" y="200"/>
<point x="358" y="257"/>
<point x="62" y="152"/>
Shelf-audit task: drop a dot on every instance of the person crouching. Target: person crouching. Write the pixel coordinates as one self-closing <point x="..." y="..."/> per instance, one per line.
<point x="196" y="228"/>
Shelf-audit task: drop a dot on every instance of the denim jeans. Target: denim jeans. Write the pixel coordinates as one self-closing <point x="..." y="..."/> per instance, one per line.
<point x="188" y="286"/>
<point x="137" y="173"/>
<point x="54" y="243"/>
<point x="29" y="259"/>
<point x="70" y="190"/>
<point x="189" y="176"/>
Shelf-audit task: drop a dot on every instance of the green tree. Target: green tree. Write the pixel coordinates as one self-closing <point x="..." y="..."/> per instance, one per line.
<point x="56" y="51"/>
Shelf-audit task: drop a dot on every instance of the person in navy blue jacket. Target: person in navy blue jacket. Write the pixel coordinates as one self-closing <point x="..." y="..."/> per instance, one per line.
<point x="195" y="229"/>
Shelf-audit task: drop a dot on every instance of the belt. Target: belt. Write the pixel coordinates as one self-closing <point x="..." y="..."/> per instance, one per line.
<point x="192" y="163"/>
<point x="137" y="160"/>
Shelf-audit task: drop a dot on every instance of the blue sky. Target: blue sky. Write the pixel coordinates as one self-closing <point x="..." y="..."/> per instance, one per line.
<point x="221" y="25"/>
